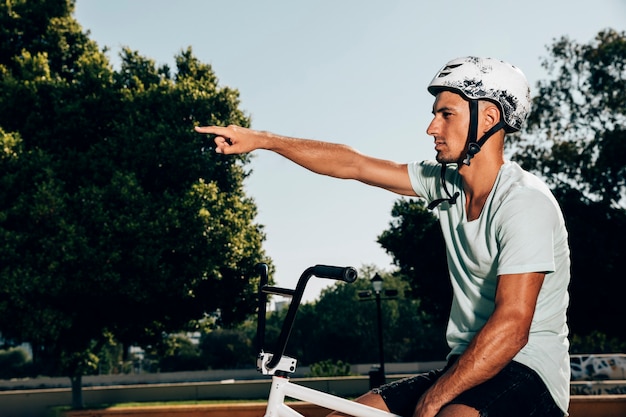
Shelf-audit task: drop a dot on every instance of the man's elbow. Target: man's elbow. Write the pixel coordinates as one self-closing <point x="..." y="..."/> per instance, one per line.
<point x="519" y="334"/>
<point x="520" y="339"/>
<point x="516" y="333"/>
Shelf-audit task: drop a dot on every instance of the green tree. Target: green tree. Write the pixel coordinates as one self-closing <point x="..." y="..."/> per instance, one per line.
<point x="576" y="141"/>
<point x="415" y="242"/>
<point x="116" y="220"/>
<point x="575" y="136"/>
<point x="180" y="354"/>
<point x="228" y="349"/>
<point x="329" y="368"/>
<point x="13" y="363"/>
<point x="596" y="342"/>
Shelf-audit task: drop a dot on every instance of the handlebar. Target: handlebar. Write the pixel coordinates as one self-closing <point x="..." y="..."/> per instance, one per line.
<point x="345" y="274"/>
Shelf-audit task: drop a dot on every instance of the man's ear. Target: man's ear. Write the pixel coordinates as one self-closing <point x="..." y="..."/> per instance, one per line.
<point x="490" y="114"/>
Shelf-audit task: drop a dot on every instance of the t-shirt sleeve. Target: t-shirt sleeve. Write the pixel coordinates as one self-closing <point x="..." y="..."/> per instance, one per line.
<point x="526" y="233"/>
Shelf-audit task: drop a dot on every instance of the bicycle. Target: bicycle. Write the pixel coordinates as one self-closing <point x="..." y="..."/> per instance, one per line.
<point x="280" y="366"/>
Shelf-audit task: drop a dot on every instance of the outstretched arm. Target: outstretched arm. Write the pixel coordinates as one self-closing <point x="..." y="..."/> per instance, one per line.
<point x="332" y="159"/>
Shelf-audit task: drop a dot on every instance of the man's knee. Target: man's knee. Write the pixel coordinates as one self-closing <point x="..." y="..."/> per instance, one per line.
<point x="458" y="410"/>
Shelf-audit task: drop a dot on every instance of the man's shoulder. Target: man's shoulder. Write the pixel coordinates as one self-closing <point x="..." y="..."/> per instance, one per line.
<point x="517" y="182"/>
<point x="519" y="190"/>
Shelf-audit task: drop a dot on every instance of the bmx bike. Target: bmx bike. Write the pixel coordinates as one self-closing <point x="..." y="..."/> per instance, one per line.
<point x="279" y="366"/>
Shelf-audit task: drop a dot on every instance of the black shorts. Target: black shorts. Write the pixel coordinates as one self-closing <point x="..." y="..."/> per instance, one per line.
<point x="516" y="391"/>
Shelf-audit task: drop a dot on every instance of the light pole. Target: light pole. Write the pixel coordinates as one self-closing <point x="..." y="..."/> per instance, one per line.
<point x="377" y="375"/>
<point x="377" y="285"/>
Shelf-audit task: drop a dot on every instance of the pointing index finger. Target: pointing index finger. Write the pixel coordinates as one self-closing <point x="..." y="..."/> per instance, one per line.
<point x="215" y="130"/>
<point x="222" y="136"/>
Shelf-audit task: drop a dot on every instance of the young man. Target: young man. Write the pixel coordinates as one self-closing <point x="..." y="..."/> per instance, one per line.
<point x="505" y="239"/>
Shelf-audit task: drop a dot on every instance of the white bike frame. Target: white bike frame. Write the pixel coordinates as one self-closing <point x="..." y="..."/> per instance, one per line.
<point x="282" y="387"/>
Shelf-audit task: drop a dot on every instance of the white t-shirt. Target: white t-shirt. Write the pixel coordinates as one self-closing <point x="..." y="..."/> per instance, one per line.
<point x="519" y="230"/>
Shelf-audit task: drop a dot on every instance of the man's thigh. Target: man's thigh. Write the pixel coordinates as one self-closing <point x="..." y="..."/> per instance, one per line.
<point x="514" y="392"/>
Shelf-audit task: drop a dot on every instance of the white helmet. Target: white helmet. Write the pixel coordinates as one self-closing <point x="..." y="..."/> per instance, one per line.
<point x="487" y="79"/>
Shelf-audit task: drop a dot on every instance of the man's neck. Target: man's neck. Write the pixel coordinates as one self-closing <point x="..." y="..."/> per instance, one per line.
<point x="478" y="181"/>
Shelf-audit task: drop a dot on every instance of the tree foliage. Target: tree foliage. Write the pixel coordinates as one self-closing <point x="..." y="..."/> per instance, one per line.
<point x="576" y="136"/>
<point x="13" y="362"/>
<point x="115" y="218"/>
<point x="329" y="368"/>
<point x="228" y="349"/>
<point x="415" y="242"/>
<point x="576" y="141"/>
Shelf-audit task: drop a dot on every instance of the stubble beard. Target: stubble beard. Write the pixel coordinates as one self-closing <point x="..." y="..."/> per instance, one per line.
<point x="447" y="159"/>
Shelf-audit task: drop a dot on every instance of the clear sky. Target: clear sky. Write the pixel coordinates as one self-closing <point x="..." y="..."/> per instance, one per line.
<point x="349" y="71"/>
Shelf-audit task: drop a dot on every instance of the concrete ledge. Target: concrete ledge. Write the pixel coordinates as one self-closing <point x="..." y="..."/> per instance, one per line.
<point x="580" y="406"/>
<point x="217" y="410"/>
<point x="598" y="406"/>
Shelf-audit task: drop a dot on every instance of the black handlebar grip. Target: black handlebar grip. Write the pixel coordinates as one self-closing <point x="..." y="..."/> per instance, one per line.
<point x="346" y="274"/>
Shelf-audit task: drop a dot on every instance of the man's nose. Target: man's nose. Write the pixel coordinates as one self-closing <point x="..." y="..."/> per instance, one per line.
<point x="432" y="129"/>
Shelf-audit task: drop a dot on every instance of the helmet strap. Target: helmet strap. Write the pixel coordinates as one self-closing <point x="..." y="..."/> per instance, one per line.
<point x="451" y="199"/>
<point x="473" y="145"/>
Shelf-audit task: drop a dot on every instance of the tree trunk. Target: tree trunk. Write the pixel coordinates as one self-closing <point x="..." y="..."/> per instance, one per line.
<point x="77" y="392"/>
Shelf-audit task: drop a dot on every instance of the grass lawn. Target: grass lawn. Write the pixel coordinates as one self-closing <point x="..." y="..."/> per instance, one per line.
<point x="58" y="411"/>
